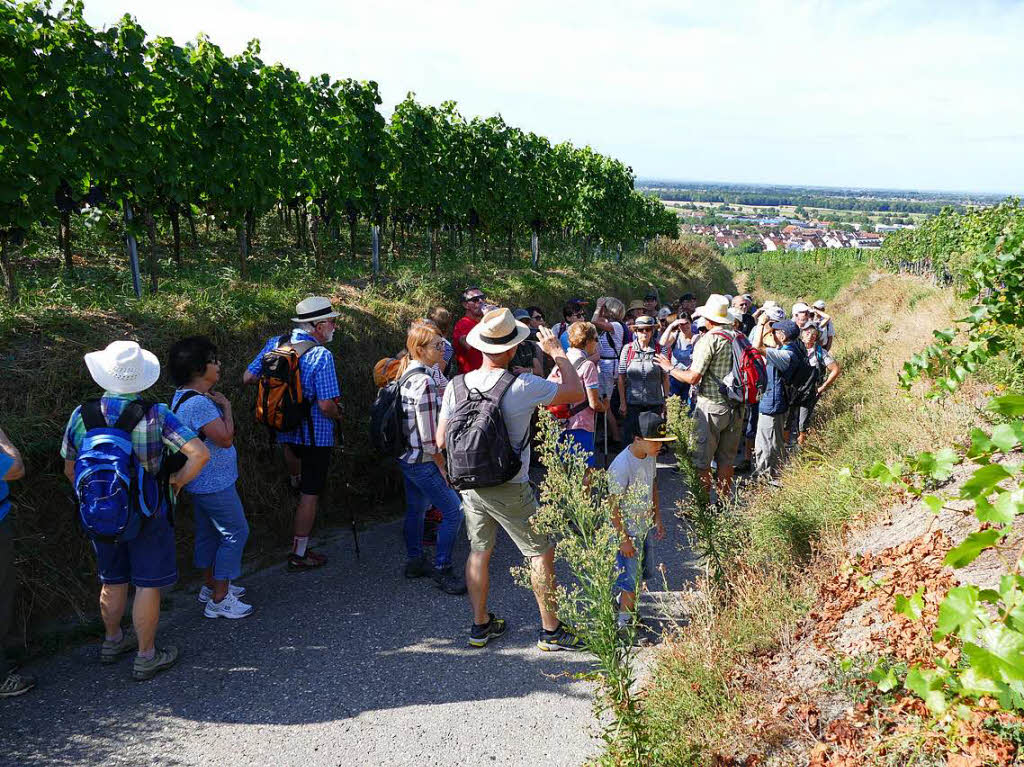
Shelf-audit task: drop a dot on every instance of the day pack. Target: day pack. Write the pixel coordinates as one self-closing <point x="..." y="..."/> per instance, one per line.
<point x="802" y="385"/>
<point x="567" y="411"/>
<point x="480" y="453"/>
<point x="747" y="380"/>
<point x="176" y="461"/>
<point x="280" y="405"/>
<point x="386" y="417"/>
<point x="115" y="494"/>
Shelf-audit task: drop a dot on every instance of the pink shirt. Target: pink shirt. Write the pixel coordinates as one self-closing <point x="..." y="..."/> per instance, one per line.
<point x="588" y="374"/>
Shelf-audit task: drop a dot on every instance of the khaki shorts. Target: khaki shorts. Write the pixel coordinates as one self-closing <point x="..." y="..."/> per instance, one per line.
<point x="719" y="430"/>
<point x="510" y="505"/>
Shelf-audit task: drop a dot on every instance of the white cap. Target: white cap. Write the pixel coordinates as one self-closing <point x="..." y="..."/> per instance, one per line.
<point x="800" y="306"/>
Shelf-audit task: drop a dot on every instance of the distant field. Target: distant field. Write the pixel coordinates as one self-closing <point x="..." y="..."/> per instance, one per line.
<point x="789" y="211"/>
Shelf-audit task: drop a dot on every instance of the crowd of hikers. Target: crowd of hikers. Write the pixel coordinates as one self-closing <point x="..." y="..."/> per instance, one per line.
<point x="457" y="413"/>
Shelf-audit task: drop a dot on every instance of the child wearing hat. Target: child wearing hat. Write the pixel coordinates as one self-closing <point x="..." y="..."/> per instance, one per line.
<point x="636" y="467"/>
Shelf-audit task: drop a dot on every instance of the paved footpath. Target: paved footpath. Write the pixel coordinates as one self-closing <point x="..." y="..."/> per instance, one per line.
<point x="348" y="665"/>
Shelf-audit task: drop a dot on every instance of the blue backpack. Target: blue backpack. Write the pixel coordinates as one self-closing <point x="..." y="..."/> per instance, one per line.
<point x="115" y="493"/>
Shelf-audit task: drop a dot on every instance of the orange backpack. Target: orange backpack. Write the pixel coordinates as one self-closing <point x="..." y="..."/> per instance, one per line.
<point x="280" y="404"/>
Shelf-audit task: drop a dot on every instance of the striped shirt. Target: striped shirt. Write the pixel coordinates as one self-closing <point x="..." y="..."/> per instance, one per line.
<point x="421" y="404"/>
<point x="319" y="382"/>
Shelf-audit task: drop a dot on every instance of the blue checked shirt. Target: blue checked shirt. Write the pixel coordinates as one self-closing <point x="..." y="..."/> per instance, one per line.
<point x="319" y="382"/>
<point x="158" y="429"/>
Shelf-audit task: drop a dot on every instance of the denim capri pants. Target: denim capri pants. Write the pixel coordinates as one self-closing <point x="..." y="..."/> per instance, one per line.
<point x="221" y="532"/>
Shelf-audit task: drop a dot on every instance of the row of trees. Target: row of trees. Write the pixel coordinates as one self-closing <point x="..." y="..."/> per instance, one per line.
<point x="101" y="120"/>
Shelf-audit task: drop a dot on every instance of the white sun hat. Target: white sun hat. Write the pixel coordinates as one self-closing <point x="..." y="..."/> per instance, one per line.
<point x="800" y="306"/>
<point x="314" y="309"/>
<point x="819" y="304"/>
<point x="716" y="310"/>
<point x="497" y="331"/>
<point x="123" y="367"/>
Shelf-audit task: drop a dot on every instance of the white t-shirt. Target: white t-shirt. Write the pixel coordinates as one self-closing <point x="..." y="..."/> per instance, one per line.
<point x="627" y="472"/>
<point x="525" y="395"/>
<point x="605" y="348"/>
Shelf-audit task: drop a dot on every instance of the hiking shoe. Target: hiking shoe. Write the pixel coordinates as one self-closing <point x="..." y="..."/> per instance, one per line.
<point x="229" y="607"/>
<point x="16" y="684"/>
<point x="559" y="639"/>
<point x="111" y="651"/>
<point x="479" y="636"/>
<point x="206" y="593"/>
<point x="743" y="466"/>
<point x="418" y="568"/>
<point x="307" y="562"/>
<point x="162" y="660"/>
<point x="448" y="581"/>
<point x="316" y="556"/>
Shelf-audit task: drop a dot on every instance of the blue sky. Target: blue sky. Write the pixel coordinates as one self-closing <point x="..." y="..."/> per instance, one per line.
<point x="879" y="93"/>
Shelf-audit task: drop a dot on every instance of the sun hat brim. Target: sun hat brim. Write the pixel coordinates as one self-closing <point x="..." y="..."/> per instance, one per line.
<point x="718" y="319"/>
<point x="658" y="439"/>
<point x="475" y="339"/>
<point x="149" y="376"/>
<point x="318" y="318"/>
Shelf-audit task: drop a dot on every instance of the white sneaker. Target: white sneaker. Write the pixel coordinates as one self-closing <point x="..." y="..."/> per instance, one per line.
<point x="228" y="607"/>
<point x="206" y="593"/>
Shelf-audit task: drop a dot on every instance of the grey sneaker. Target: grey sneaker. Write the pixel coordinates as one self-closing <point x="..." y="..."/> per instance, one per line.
<point x="111" y="651"/>
<point x="448" y="581"/>
<point x="162" y="660"/>
<point x="16" y="684"/>
<point x="559" y="639"/>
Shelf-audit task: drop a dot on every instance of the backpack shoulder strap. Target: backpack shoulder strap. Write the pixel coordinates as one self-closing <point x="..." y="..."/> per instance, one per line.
<point x="301" y="347"/>
<point x="183" y="399"/>
<point x="501" y="388"/>
<point x="409" y="374"/>
<point x="92" y="415"/>
<point x="132" y="414"/>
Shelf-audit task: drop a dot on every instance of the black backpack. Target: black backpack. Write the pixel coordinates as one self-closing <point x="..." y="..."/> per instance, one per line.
<point x="480" y="453"/>
<point x="802" y="386"/>
<point x="176" y="461"/>
<point x="386" y="433"/>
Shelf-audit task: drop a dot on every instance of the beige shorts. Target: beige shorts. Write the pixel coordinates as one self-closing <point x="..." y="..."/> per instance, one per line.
<point x="510" y="505"/>
<point x="718" y="433"/>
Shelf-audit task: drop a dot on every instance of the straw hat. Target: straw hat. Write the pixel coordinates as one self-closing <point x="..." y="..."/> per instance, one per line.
<point x="314" y="309"/>
<point x="498" y="331"/>
<point x="634" y="305"/>
<point x="716" y="310"/>
<point x="123" y="367"/>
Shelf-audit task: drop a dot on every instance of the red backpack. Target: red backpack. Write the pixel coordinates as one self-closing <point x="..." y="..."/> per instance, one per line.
<point x="748" y="378"/>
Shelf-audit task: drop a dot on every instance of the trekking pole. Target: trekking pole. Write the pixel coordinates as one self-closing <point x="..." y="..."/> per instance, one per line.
<point x="606" y="438"/>
<point x="355" y="534"/>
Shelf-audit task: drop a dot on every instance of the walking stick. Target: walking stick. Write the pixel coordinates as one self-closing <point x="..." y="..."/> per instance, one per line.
<point x="606" y="438"/>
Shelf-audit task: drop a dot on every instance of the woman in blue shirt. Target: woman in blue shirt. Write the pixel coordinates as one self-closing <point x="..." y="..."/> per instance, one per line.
<point x="221" y="528"/>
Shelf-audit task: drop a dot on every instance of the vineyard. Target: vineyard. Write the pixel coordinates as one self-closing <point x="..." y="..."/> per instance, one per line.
<point x="117" y="130"/>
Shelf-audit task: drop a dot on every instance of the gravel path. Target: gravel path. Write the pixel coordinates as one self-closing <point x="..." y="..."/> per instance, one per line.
<point x="348" y="665"/>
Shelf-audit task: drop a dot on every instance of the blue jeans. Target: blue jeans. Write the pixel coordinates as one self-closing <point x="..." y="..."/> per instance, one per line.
<point x="221" y="532"/>
<point x="424" y="486"/>
<point x="584" y="439"/>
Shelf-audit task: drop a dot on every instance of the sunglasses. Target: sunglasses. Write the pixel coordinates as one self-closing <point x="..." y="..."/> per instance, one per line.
<point x="474" y="299"/>
<point x="537" y="318"/>
<point x="439" y="346"/>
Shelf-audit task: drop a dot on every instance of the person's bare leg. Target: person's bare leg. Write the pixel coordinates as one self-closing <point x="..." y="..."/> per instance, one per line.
<point x="613" y="426"/>
<point x="627" y="601"/>
<point x="542" y="578"/>
<point x="705" y="479"/>
<point x="724" y="483"/>
<point x="145" y="617"/>
<point x="801" y="438"/>
<point x="305" y="515"/>
<point x="113" y="601"/>
<point x="292" y="462"/>
<point x="478" y="581"/>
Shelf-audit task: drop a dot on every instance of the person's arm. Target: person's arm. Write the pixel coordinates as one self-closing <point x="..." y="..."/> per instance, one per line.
<point x="459" y="338"/>
<point x="221" y="431"/>
<point x="659" y="526"/>
<point x="625" y="541"/>
<point x="757" y="334"/>
<point x="252" y="373"/>
<point x="570" y="390"/>
<point x="249" y="378"/>
<point x="17" y="468"/>
<point x="329" y="408"/>
<point x="196" y="456"/>
<point x="440" y="434"/>
<point x="834" y="370"/>
<point x="598" y="319"/>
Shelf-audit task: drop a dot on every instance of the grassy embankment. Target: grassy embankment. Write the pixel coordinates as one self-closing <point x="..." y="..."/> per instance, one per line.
<point x="700" y="703"/>
<point x="60" y="318"/>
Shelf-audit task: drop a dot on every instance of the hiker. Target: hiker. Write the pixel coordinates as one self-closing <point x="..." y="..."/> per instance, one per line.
<point x="578" y="420"/>
<point x="466" y="357"/>
<point x="607" y="319"/>
<point x="12" y="683"/>
<point x="528" y="358"/>
<point x="826" y="371"/>
<point x="742" y="304"/>
<point x="509" y="503"/>
<point x="637" y="467"/>
<point x="651" y="303"/>
<point x="784" y="358"/>
<point x="307" y="447"/>
<point x="774" y="313"/>
<point x="678" y="337"/>
<point x="443" y="319"/>
<point x="221" y="529"/>
<point x="801" y="314"/>
<point x="719" y="425"/>
<point x="422" y="462"/>
<point x="147" y="559"/>
<point x="688" y="303"/>
<point x="572" y="311"/>
<point x="825" y="325"/>
<point x="642" y="384"/>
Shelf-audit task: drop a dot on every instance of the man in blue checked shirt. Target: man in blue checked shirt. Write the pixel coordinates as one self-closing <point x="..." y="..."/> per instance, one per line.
<point x="307" y="450"/>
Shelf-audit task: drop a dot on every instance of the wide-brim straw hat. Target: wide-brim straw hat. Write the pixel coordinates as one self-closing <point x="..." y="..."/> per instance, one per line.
<point x="634" y="305"/>
<point x="716" y="309"/>
<point x="123" y="367"/>
<point x="314" y="309"/>
<point x="498" y="331"/>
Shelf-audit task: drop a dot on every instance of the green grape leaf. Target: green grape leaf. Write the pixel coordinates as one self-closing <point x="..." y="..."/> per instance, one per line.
<point x="959" y="613"/>
<point x="1011" y="405"/>
<point x="934" y="503"/>
<point x="983" y="480"/>
<point x="1006" y="436"/>
<point x="913" y="606"/>
<point x="973" y="545"/>
<point x="927" y="684"/>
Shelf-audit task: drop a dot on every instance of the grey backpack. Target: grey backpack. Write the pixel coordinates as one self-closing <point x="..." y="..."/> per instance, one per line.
<point x="480" y="453"/>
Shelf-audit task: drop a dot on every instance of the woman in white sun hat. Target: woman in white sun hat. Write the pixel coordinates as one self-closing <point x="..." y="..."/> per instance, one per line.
<point x="123" y="370"/>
